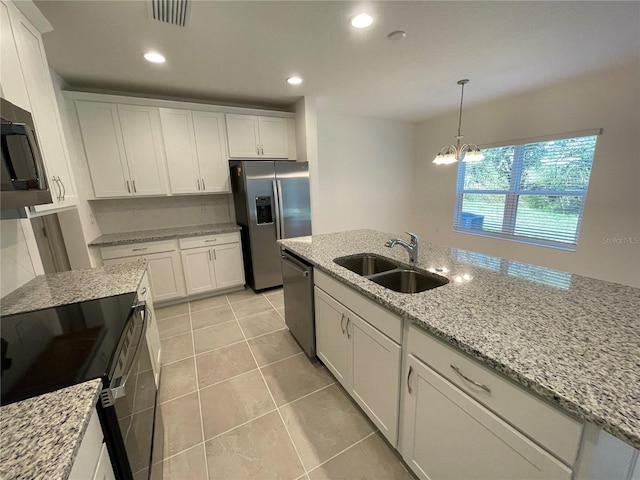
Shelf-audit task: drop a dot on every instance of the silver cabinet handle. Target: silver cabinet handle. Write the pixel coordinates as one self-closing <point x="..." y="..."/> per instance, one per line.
<point x="133" y="182"/>
<point x="211" y="240"/>
<point x="139" y="249"/>
<point x="348" y="323"/>
<point x="143" y="291"/>
<point x="59" y="194"/>
<point x="409" y="380"/>
<point x="479" y="385"/>
<point x="203" y="187"/>
<point x="64" y="190"/>
<point x="261" y="150"/>
<point x="215" y="256"/>
<point x="209" y="255"/>
<point x="258" y="149"/>
<point x="342" y="324"/>
<point x="128" y="187"/>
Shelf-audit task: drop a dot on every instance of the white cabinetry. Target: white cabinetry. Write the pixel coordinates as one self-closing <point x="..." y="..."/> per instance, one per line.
<point x="92" y="460"/>
<point x="124" y="150"/>
<point x="164" y="265"/>
<point x="195" y="147"/>
<point x="30" y="68"/>
<point x="212" y="262"/>
<point x="252" y="136"/>
<point x="153" y="335"/>
<point x="363" y="359"/>
<point x="460" y="420"/>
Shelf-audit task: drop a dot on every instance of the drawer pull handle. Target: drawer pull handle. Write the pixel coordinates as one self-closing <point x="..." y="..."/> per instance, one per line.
<point x="479" y="385"/>
<point x="342" y="323"/>
<point x="138" y="249"/>
<point x="143" y="291"/>
<point x="348" y="323"/>
<point x="212" y="240"/>
<point x="409" y="380"/>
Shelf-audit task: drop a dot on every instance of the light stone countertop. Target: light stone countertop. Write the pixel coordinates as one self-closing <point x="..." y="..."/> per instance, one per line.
<point x="111" y="239"/>
<point x="54" y="290"/>
<point x="41" y="436"/>
<point x="571" y="339"/>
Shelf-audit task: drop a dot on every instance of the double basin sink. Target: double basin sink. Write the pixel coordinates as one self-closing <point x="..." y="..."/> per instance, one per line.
<point x="389" y="274"/>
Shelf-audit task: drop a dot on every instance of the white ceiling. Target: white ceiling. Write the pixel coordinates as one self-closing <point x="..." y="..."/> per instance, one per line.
<point x="242" y="52"/>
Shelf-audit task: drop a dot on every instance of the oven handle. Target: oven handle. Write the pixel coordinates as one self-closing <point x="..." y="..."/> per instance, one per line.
<point x="110" y="394"/>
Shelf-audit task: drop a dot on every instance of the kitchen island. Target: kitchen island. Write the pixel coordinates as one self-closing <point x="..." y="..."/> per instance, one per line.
<point x="574" y="341"/>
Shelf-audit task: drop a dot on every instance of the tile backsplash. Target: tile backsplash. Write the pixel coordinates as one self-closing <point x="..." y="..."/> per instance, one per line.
<point x="17" y="266"/>
<point x="128" y="215"/>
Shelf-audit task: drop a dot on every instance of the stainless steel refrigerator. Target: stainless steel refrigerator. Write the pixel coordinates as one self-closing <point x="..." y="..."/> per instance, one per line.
<point x="271" y="199"/>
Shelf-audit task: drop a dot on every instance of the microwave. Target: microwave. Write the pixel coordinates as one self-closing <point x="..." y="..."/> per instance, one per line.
<point x="23" y="177"/>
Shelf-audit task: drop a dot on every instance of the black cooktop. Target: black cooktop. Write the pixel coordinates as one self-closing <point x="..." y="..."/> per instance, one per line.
<point x="46" y="350"/>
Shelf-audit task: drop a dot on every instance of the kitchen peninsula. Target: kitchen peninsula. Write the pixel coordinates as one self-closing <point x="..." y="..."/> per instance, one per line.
<point x="572" y="341"/>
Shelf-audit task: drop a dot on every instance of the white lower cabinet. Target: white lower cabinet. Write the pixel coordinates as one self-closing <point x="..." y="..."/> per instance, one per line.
<point x="166" y="277"/>
<point x="365" y="361"/>
<point x="92" y="460"/>
<point x="448" y="435"/>
<point x="212" y="262"/>
<point x="153" y="334"/>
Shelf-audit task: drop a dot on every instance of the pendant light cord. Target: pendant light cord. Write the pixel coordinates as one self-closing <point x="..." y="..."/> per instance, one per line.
<point x="460" y="116"/>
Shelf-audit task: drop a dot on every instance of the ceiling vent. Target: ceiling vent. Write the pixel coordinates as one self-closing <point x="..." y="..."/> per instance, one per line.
<point x="175" y="12"/>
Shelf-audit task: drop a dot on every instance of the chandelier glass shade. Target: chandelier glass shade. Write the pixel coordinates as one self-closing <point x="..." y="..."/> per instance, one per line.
<point x="468" y="152"/>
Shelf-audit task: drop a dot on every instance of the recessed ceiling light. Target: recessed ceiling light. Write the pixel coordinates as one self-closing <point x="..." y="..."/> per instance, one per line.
<point x="295" y="80"/>
<point x="154" y="57"/>
<point x="397" y="35"/>
<point x="362" y="20"/>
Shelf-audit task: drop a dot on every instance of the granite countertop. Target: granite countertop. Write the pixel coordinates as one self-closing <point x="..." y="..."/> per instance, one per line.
<point x="41" y="436"/>
<point x="162" y="234"/>
<point x="571" y="339"/>
<point x="46" y="291"/>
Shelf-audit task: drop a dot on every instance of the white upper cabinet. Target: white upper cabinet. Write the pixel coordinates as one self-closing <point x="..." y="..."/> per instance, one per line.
<point x="123" y="145"/>
<point x="195" y="149"/>
<point x="26" y="81"/>
<point x="251" y="136"/>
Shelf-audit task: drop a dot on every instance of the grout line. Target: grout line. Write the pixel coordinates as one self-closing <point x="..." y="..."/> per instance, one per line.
<point x="271" y="303"/>
<point x="227" y="379"/>
<point x="305" y="396"/>
<point x="182" y="451"/>
<point x="274" y="402"/>
<point x="281" y="360"/>
<point x="179" y="396"/>
<point x="241" y="425"/>
<point x="218" y="348"/>
<point x="193" y="343"/>
<point x="342" y="451"/>
<point x="211" y="326"/>
<point x="264" y="334"/>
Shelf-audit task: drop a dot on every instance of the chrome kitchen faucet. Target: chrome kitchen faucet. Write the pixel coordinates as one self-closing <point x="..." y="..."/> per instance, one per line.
<point x="412" y="248"/>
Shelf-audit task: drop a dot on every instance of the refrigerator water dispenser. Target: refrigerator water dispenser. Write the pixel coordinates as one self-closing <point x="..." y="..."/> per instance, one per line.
<point x="264" y="215"/>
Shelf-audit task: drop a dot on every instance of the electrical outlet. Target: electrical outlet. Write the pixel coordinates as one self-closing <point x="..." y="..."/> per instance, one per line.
<point x="92" y="219"/>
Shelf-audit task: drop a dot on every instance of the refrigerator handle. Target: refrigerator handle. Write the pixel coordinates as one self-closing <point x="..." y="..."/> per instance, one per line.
<point x="280" y="209"/>
<point x="276" y="200"/>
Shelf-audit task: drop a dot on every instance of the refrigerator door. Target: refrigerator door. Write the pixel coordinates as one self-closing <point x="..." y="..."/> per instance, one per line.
<point x="261" y="210"/>
<point x="294" y="203"/>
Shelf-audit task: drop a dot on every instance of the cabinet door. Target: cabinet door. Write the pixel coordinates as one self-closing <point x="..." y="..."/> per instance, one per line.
<point x="11" y="78"/>
<point x="44" y="110"/>
<point x="227" y="263"/>
<point x="212" y="159"/>
<point x="104" y="470"/>
<point x="153" y="334"/>
<point x="273" y="137"/>
<point x="448" y="435"/>
<point x="198" y="270"/>
<point x="331" y="336"/>
<point x="142" y="136"/>
<point x="375" y="371"/>
<point x="104" y="147"/>
<point x="165" y="275"/>
<point x="180" y="148"/>
<point x="118" y="261"/>
<point x="242" y="133"/>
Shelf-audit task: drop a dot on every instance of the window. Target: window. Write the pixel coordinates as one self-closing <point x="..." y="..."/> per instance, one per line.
<point x="530" y="192"/>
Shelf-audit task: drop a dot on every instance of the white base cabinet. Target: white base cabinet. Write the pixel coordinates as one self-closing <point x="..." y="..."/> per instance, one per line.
<point x="212" y="262"/>
<point x="153" y="334"/>
<point x="363" y="359"/>
<point x="448" y="435"/>
<point x="92" y="460"/>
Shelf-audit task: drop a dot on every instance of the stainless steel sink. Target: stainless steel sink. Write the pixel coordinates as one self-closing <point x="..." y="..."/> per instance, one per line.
<point x="366" y="264"/>
<point x="408" y="281"/>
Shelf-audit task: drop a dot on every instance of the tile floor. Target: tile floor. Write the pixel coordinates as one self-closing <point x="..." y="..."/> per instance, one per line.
<point x="240" y="400"/>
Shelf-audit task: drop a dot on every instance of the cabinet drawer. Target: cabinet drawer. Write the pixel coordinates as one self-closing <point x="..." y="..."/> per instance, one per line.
<point x="547" y="425"/>
<point x="209" y="240"/>
<point x="134" y="249"/>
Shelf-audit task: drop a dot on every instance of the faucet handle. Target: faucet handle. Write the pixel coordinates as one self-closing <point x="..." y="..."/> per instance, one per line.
<point x="414" y="237"/>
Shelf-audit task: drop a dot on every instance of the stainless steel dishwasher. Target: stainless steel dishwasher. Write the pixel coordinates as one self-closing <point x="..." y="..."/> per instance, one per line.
<point x="297" y="277"/>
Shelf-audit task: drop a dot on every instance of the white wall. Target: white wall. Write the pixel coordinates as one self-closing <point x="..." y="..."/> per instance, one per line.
<point x="607" y="100"/>
<point x="18" y="266"/>
<point x="364" y="173"/>
<point x="307" y="150"/>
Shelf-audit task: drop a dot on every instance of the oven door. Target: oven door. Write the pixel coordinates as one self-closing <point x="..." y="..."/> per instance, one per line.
<point x="130" y="402"/>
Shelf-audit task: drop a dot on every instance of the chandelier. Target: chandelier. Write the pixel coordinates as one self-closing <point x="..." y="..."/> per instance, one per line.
<point x="469" y="152"/>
